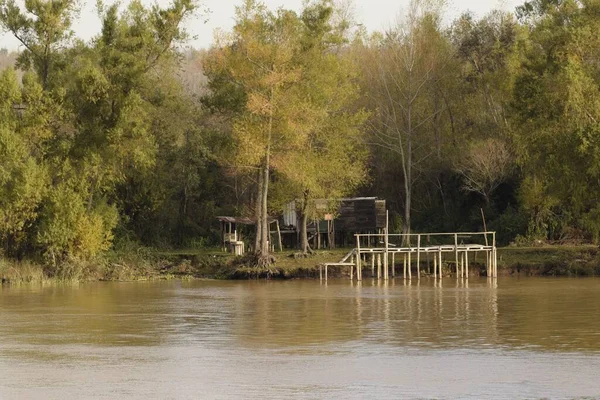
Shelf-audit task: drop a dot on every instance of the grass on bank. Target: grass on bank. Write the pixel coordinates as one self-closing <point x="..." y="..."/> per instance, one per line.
<point x="146" y="264"/>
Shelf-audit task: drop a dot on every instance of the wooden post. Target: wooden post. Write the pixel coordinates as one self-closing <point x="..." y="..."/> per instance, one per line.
<point x="393" y="265"/>
<point x="222" y="237"/>
<point x="279" y="236"/>
<point x="484" y="227"/>
<point x="434" y="267"/>
<point x="359" y="272"/>
<point x="320" y="272"/>
<point x="317" y="223"/>
<point x="467" y="264"/>
<point x="404" y="276"/>
<point x="326" y="272"/>
<point x="386" y="272"/>
<point x="419" y="256"/>
<point x="409" y="263"/>
<point x="372" y="264"/>
<point x="456" y="251"/>
<point x="358" y="266"/>
<point x="495" y="260"/>
<point x="378" y="266"/>
<point x="440" y="261"/>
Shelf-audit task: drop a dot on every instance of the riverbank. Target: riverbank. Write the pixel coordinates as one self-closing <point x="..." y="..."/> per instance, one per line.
<point x="211" y="263"/>
<point x="581" y="260"/>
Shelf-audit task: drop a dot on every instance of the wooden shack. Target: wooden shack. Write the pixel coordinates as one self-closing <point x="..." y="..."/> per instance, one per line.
<point x="332" y="228"/>
<point x="235" y="232"/>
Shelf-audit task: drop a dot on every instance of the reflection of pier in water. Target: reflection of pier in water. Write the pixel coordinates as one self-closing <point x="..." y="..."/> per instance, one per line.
<point x="434" y="313"/>
<point x="379" y="251"/>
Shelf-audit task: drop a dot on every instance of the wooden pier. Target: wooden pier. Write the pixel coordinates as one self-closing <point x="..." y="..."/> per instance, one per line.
<point x="380" y="252"/>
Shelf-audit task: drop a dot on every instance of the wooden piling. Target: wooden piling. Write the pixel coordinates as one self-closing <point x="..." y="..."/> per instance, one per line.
<point x="373" y="265"/>
<point x="456" y="252"/>
<point x="440" y="262"/>
<point x="393" y="265"/>
<point x="404" y="276"/>
<point x="495" y="260"/>
<point x="386" y="240"/>
<point x="419" y="256"/>
<point x="467" y="264"/>
<point x="409" y="265"/>
<point x="378" y="266"/>
<point x="434" y="267"/>
<point x="358" y="266"/>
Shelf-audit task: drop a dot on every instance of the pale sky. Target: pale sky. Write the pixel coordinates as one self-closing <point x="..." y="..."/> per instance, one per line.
<point x="374" y="14"/>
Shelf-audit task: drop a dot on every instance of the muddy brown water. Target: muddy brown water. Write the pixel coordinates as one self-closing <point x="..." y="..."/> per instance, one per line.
<point x="514" y="338"/>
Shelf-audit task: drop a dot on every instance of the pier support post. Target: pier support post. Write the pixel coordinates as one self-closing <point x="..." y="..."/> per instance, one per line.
<point x="434" y="267"/>
<point x="419" y="256"/>
<point x="409" y="264"/>
<point x="393" y="265"/>
<point x="358" y="267"/>
<point x="495" y="251"/>
<point x="456" y="252"/>
<point x="440" y="262"/>
<point x="373" y="265"/>
<point x="467" y="264"/>
<point x="378" y="266"/>
<point x="404" y="276"/>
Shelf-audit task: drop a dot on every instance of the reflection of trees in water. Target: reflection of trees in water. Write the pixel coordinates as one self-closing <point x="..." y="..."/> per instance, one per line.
<point x="557" y="314"/>
<point x="398" y="313"/>
<point x="307" y="314"/>
<point x="540" y="313"/>
<point x="99" y="313"/>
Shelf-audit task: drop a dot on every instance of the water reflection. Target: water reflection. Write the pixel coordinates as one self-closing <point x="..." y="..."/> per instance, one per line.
<point x="556" y="315"/>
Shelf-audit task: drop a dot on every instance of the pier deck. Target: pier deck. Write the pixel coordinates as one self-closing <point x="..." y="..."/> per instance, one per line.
<point x="376" y="250"/>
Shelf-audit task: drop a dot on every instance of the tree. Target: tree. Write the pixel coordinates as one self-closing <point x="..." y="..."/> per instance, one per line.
<point x="274" y="58"/>
<point x="485" y="166"/>
<point x="330" y="163"/>
<point x="405" y="70"/>
<point x="23" y="177"/>
<point x="101" y="111"/>
<point x="557" y="109"/>
<point x="44" y="29"/>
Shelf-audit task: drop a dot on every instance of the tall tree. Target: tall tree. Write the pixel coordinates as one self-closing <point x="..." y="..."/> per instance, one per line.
<point x="44" y="30"/>
<point x="404" y="71"/>
<point x="557" y="103"/>
<point x="274" y="58"/>
<point x="330" y="164"/>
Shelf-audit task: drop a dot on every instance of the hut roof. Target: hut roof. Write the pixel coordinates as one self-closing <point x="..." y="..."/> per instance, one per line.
<point x="242" y="220"/>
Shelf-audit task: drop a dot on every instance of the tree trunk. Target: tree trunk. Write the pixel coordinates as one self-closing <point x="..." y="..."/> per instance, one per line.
<point x="304" y="245"/>
<point x="407" y="205"/>
<point x="264" y="237"/>
<point x="258" y="206"/>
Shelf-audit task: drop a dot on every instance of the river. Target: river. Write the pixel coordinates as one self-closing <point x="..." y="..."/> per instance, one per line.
<point x="510" y="338"/>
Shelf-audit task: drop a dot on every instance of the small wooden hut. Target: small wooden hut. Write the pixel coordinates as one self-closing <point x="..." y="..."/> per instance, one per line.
<point x="232" y="233"/>
<point x="331" y="229"/>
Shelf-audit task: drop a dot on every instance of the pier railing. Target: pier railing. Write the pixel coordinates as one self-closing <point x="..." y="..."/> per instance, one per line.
<point x="378" y="248"/>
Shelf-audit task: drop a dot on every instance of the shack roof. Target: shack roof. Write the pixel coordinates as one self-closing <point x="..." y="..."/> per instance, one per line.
<point x="242" y="220"/>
